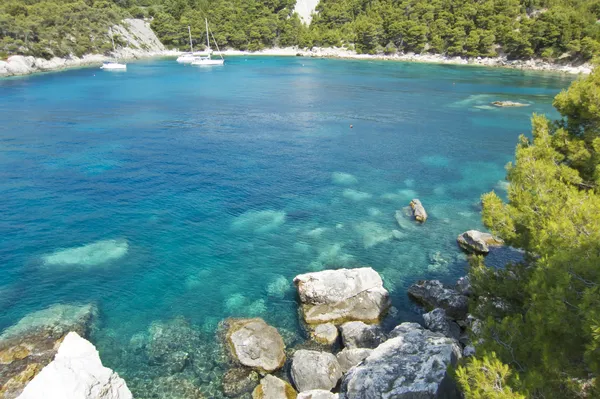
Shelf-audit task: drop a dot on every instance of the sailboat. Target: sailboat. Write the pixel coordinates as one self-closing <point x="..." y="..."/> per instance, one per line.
<point x="113" y="65"/>
<point x="187" y="58"/>
<point x="208" y="61"/>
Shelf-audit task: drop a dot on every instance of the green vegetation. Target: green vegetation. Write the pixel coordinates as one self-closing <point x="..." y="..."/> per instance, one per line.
<point x="519" y="28"/>
<point x="542" y="316"/>
<point x="47" y="28"/>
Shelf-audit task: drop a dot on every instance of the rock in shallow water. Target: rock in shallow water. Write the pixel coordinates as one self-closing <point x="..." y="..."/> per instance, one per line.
<point x="325" y="334"/>
<point x="342" y="295"/>
<point x="418" y="210"/>
<point x="356" y="334"/>
<point x="433" y="294"/>
<point x="238" y="381"/>
<point x="411" y="365"/>
<point x="89" y="255"/>
<point x="255" y="344"/>
<point x="76" y="373"/>
<point x="477" y="242"/>
<point x="273" y="388"/>
<point x="315" y="370"/>
<point x="31" y="344"/>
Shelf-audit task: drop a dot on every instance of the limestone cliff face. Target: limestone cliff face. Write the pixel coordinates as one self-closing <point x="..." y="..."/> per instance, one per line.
<point x="305" y="8"/>
<point x="141" y="42"/>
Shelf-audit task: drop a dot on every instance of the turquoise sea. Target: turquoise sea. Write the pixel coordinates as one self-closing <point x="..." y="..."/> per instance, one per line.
<point x="172" y="192"/>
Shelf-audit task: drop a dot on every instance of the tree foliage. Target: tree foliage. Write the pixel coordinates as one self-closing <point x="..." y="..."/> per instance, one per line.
<point x="542" y="316"/>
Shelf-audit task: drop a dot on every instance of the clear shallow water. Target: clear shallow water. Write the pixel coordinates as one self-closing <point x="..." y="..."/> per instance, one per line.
<point x="206" y="191"/>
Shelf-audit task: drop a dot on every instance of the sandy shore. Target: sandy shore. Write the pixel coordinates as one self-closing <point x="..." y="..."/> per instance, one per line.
<point x="503" y="62"/>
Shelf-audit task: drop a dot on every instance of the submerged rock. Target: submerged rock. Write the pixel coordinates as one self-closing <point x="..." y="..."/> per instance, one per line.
<point x="509" y="104"/>
<point x="274" y="388"/>
<point x="238" y="381"/>
<point x="255" y="344"/>
<point x="477" y="242"/>
<point x="172" y="344"/>
<point x="315" y="370"/>
<point x="437" y="321"/>
<point x="89" y="255"/>
<point x="32" y="343"/>
<point x="349" y="358"/>
<point x="325" y="334"/>
<point x="317" y="394"/>
<point x="342" y="295"/>
<point x="433" y="294"/>
<point x="168" y="387"/>
<point x="418" y="210"/>
<point x="356" y="334"/>
<point x="76" y="372"/>
<point x="411" y="365"/>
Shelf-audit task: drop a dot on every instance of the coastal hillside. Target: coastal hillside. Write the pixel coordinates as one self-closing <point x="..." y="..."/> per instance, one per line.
<point x="519" y="29"/>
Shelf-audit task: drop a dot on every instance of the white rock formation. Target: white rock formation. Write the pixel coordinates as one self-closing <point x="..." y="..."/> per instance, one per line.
<point x="76" y="373"/>
<point x="305" y="9"/>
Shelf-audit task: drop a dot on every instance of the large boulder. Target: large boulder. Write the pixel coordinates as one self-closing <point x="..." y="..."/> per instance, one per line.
<point x="342" y="295"/>
<point x="315" y="370"/>
<point x="76" y="373"/>
<point x="477" y="242"/>
<point x="418" y="210"/>
<point x="433" y="294"/>
<point x="317" y="394"/>
<point x="356" y="334"/>
<point x="255" y="344"/>
<point x="411" y="365"/>
<point x="437" y="321"/>
<point x="349" y="358"/>
<point x="32" y="343"/>
<point x="273" y="388"/>
<point x="326" y="334"/>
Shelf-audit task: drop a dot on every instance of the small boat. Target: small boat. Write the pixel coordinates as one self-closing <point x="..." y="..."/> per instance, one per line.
<point x="207" y="60"/>
<point x="113" y="65"/>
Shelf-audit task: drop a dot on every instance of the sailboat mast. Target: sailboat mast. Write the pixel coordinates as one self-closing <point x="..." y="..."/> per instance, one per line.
<point x="191" y="45"/>
<point x="207" y="36"/>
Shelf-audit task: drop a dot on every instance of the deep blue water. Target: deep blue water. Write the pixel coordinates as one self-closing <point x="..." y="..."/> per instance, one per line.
<point x="215" y="187"/>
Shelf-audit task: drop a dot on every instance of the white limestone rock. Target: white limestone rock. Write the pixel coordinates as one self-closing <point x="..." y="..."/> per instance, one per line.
<point x="76" y="373"/>
<point x="315" y="370"/>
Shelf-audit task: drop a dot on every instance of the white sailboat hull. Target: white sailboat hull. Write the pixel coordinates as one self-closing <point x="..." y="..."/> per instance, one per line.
<point x="185" y="59"/>
<point x="113" y="66"/>
<point x="207" y="62"/>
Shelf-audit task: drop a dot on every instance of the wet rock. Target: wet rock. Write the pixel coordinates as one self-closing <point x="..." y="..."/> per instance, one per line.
<point x="418" y="210"/>
<point x="477" y="242"/>
<point x="76" y="372"/>
<point x="433" y="294"/>
<point x="411" y="365"/>
<point x="342" y="295"/>
<point x="437" y="321"/>
<point x="317" y="394"/>
<point x="238" y="381"/>
<point x="32" y="343"/>
<point x="273" y="388"/>
<point x="503" y="104"/>
<point x="463" y="286"/>
<point x="356" y="334"/>
<point x="325" y="334"/>
<point x="315" y="370"/>
<point x="349" y="358"/>
<point x="255" y="344"/>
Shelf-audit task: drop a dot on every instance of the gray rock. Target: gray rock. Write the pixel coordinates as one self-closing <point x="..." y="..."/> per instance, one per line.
<point x="325" y="333"/>
<point x="404" y="328"/>
<point x="418" y="210"/>
<point x="255" y="344"/>
<point x="433" y="294"/>
<point x="317" y="394"/>
<point x="469" y="350"/>
<point x="315" y="370"/>
<point x="342" y="295"/>
<point x="273" y="388"/>
<point x="411" y="365"/>
<point x="463" y="286"/>
<point x="349" y="358"/>
<point x="238" y="381"/>
<point x="356" y="334"/>
<point x="437" y="321"/>
<point x="477" y="242"/>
